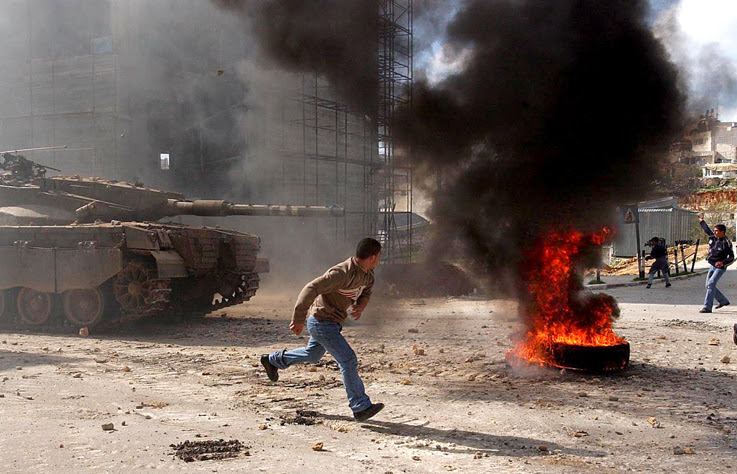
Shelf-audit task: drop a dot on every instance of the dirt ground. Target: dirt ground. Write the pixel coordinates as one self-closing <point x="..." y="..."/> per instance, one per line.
<point x="457" y="407"/>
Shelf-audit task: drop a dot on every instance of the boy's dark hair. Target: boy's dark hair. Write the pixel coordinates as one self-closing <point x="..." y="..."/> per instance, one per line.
<point x="721" y="227"/>
<point x="367" y="247"/>
<point x="655" y="239"/>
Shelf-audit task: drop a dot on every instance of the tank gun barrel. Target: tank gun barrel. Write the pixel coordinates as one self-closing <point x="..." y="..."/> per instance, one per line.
<point x="39" y="148"/>
<point x="212" y="207"/>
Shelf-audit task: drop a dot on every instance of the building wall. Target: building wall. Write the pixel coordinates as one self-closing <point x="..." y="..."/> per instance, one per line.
<point x="137" y="78"/>
<point x="671" y="224"/>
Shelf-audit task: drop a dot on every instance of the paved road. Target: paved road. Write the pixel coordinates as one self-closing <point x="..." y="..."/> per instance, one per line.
<point x="681" y="301"/>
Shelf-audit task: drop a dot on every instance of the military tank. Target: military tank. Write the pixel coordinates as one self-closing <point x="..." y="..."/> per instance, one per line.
<point x="78" y="252"/>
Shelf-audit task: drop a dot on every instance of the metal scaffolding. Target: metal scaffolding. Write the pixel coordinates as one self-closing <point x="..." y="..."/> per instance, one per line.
<point x="395" y="90"/>
<point x="345" y="152"/>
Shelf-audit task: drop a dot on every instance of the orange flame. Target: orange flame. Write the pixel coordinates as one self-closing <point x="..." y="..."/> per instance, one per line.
<point x="558" y="311"/>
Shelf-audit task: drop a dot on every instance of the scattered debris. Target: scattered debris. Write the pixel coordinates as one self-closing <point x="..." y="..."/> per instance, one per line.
<point x="679" y="450"/>
<point x="725" y="360"/>
<point x="302" y="417"/>
<point x="714" y="342"/>
<point x="318" y="447"/>
<point x="654" y="422"/>
<point x="190" y="451"/>
<point x="413" y="330"/>
<point x="108" y="427"/>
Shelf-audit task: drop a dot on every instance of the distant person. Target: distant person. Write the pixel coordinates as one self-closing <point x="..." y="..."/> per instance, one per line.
<point x="345" y="288"/>
<point x="660" y="254"/>
<point x="720" y="257"/>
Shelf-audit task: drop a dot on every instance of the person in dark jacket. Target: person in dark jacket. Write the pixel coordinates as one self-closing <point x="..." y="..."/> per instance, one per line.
<point x="660" y="254"/>
<point x="720" y="257"/>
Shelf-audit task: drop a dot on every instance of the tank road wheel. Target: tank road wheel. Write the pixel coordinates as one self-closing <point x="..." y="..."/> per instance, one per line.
<point x="84" y="307"/>
<point x="35" y="307"/>
<point x="131" y="287"/>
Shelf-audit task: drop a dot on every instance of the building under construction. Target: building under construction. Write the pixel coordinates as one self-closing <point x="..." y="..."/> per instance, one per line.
<point x="173" y="96"/>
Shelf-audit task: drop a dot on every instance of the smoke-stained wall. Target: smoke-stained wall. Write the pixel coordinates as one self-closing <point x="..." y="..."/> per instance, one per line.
<point x="121" y="82"/>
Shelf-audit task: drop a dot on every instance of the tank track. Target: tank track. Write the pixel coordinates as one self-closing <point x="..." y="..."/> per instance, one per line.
<point x="244" y="291"/>
<point x="157" y="304"/>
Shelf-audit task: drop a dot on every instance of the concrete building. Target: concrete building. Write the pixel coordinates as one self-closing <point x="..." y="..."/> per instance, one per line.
<point x="711" y="145"/>
<point x="169" y="92"/>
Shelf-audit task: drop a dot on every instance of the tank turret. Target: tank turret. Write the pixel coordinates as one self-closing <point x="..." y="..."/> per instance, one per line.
<point x="27" y="196"/>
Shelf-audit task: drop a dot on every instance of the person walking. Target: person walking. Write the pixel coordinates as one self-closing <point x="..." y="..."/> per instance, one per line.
<point x="660" y="254"/>
<point x="344" y="288"/>
<point x="720" y="257"/>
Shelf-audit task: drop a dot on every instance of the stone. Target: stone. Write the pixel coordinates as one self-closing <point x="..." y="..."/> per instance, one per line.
<point x="108" y="427"/>
<point x="725" y="360"/>
<point x="318" y="446"/>
<point x="84" y="331"/>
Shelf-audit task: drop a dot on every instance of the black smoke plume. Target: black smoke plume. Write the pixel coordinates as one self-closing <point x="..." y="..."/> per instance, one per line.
<point x="558" y="114"/>
<point x="334" y="38"/>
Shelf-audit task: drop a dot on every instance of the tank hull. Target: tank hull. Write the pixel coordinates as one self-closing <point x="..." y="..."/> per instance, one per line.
<point x="85" y="275"/>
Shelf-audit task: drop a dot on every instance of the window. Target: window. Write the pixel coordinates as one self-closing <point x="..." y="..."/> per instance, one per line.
<point x="164" y="161"/>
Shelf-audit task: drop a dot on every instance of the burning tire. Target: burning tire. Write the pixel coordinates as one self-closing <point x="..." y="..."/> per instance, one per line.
<point x="581" y="358"/>
<point x="591" y="358"/>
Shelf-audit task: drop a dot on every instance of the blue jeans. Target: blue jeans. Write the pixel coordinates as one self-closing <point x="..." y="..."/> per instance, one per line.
<point x="652" y="276"/>
<point x="326" y="336"/>
<point x="712" y="292"/>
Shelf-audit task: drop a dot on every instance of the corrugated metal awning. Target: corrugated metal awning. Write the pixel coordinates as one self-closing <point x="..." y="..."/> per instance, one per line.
<point x="722" y="167"/>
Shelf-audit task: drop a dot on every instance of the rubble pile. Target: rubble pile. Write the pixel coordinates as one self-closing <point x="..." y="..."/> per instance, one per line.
<point x="190" y="451"/>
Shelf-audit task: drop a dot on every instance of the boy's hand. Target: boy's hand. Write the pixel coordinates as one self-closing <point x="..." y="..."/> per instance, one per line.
<point x="701" y="217"/>
<point x="296" y="328"/>
<point x="356" y="312"/>
<point x="719" y="264"/>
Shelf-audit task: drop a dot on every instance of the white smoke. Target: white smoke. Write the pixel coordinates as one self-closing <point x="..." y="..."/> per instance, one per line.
<point x="701" y="36"/>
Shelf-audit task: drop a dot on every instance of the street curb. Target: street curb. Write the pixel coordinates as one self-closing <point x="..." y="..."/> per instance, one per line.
<point x="644" y="282"/>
